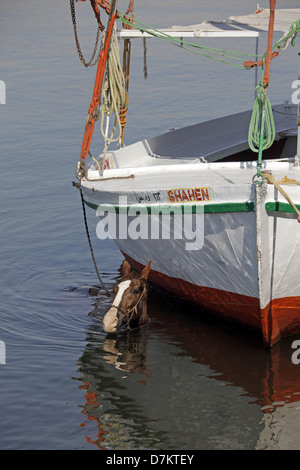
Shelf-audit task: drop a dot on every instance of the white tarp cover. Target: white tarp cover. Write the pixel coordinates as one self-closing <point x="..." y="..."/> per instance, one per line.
<point x="254" y="22"/>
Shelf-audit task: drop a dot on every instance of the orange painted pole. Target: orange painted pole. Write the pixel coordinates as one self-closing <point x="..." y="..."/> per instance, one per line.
<point x="250" y="63"/>
<point x="270" y="41"/>
<point x="89" y="128"/>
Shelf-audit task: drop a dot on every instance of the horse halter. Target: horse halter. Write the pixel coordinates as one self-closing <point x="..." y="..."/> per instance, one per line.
<point x="130" y="312"/>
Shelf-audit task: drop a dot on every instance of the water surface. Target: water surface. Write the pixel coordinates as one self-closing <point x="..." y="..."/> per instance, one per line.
<point x="185" y="381"/>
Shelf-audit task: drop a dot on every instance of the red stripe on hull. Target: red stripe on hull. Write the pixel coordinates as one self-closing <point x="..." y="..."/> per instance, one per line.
<point x="280" y="318"/>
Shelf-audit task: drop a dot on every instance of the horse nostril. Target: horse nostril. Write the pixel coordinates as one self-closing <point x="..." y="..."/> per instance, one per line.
<point x="109" y="329"/>
<point x="110" y="322"/>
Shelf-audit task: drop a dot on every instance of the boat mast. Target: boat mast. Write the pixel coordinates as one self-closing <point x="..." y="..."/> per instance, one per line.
<point x="89" y="128"/>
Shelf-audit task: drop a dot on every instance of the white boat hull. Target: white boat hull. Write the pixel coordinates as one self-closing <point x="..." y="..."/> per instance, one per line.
<point x="241" y="262"/>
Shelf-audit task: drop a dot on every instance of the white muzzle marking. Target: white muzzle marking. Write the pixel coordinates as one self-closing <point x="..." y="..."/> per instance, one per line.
<point x="110" y="321"/>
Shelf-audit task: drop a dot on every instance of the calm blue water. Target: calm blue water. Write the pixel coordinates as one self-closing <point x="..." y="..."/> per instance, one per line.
<point x="184" y="381"/>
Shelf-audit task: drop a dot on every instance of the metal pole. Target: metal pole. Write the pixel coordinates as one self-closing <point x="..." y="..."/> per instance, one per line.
<point x="297" y="156"/>
<point x="256" y="71"/>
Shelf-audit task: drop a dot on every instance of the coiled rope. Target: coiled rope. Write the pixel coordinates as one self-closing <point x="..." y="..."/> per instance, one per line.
<point x="261" y="133"/>
<point x="259" y="121"/>
<point x="113" y="93"/>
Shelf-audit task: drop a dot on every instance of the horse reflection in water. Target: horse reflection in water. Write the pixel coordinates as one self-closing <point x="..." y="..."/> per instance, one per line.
<point x="128" y="353"/>
<point x="129" y="306"/>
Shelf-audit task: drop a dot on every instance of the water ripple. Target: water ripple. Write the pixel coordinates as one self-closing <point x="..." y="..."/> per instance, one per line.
<point x="44" y="310"/>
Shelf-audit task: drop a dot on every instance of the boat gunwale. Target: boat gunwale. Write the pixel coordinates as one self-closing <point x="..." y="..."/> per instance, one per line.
<point x="109" y="174"/>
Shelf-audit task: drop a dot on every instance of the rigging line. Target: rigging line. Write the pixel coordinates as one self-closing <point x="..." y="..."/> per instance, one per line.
<point x="261" y="131"/>
<point x="113" y="92"/>
<point x="199" y="53"/>
<point x="89" y="240"/>
<point x="289" y="36"/>
<point x="163" y="35"/>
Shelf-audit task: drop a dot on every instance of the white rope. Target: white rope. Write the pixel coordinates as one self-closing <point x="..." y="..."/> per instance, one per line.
<point x="113" y="93"/>
<point x="287" y="41"/>
<point x="269" y="177"/>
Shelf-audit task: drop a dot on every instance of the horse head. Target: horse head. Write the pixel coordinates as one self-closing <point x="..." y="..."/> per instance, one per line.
<point x="129" y="305"/>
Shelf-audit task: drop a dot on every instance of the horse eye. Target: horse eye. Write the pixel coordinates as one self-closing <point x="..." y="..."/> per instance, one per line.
<point x="135" y="291"/>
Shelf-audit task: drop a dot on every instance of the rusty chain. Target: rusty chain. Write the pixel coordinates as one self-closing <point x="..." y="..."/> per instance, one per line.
<point x="90" y="63"/>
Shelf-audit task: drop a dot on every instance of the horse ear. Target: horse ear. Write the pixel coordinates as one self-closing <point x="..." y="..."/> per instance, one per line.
<point x="145" y="273"/>
<point x="125" y="268"/>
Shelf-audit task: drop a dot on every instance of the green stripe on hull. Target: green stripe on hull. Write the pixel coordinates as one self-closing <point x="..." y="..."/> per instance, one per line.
<point x="277" y="206"/>
<point x="182" y="208"/>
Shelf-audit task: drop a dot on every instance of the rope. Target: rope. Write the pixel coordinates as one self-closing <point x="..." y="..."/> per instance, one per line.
<point x="89" y="128"/>
<point x="133" y="310"/>
<point x="269" y="177"/>
<point x="89" y="240"/>
<point x="261" y="133"/>
<point x="289" y="36"/>
<point x="110" y="178"/>
<point x="113" y="93"/>
<point x="195" y="48"/>
<point x="145" y="59"/>
<point x="126" y="70"/>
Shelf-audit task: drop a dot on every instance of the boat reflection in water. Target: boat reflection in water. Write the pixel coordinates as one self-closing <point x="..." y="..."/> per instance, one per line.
<point x="184" y="382"/>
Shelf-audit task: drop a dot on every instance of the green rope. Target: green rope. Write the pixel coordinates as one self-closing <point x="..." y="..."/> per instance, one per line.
<point x="261" y="132"/>
<point x="294" y="30"/>
<point x="195" y="48"/>
<point x="290" y="36"/>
